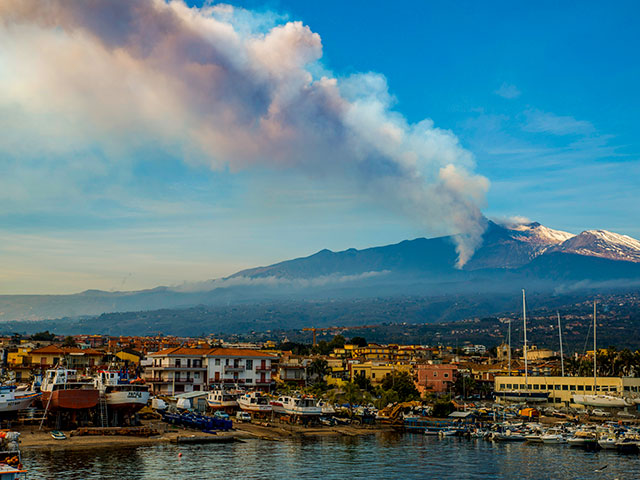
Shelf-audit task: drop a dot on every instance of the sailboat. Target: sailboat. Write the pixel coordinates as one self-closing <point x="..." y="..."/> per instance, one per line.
<point x="517" y="395"/>
<point x="598" y="399"/>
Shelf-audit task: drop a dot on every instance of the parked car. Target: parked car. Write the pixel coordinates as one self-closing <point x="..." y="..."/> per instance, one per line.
<point x="243" y="416"/>
<point x="221" y="415"/>
<point x="600" y="413"/>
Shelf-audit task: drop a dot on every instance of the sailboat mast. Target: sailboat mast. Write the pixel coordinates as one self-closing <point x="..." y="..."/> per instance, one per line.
<point x="561" y="354"/>
<point x="524" y="316"/>
<point x="509" y="346"/>
<point x="595" y="377"/>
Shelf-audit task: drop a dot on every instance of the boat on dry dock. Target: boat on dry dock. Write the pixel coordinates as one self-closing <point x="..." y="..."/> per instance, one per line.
<point x="120" y="392"/>
<point x="62" y="389"/>
<point x="302" y="405"/>
<point x="221" y="399"/>
<point x="13" y="400"/>
<point x="255" y="402"/>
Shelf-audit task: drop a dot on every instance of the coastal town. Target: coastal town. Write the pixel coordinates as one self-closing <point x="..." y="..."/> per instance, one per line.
<point x="92" y="390"/>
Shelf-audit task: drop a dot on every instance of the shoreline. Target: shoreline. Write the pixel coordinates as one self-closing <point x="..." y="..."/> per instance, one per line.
<point x="32" y="439"/>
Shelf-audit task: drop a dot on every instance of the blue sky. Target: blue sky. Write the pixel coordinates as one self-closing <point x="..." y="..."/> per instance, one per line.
<point x="542" y="97"/>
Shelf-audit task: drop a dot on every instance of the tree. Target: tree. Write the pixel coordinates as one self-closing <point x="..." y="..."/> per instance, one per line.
<point x="464" y="386"/>
<point x="403" y="384"/>
<point x="358" y="342"/>
<point x="363" y="382"/>
<point x="43" y="336"/>
<point x="443" y="407"/>
<point x="69" y="341"/>
<point x="317" y="370"/>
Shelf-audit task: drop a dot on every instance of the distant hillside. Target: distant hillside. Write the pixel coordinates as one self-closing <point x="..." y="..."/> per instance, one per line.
<point x="529" y="256"/>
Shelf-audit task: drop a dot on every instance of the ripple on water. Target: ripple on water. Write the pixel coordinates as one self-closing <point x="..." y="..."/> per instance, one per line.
<point x="383" y="457"/>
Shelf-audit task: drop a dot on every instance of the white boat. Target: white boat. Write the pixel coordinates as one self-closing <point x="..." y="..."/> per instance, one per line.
<point x="221" y="399"/>
<point x="120" y="393"/>
<point x="601" y="400"/>
<point x="608" y="443"/>
<point x="12" y="400"/>
<point x="510" y="436"/>
<point x="553" y="438"/>
<point x="254" y="402"/>
<point x="327" y="408"/>
<point x="449" y="432"/>
<point x="582" y="439"/>
<point x="300" y="405"/>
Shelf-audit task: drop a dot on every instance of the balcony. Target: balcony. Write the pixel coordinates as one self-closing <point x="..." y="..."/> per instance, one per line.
<point x="262" y="369"/>
<point x="163" y="368"/>
<point x="233" y="368"/>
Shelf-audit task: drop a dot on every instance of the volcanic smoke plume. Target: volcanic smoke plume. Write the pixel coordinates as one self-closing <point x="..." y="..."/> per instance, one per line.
<point x="233" y="89"/>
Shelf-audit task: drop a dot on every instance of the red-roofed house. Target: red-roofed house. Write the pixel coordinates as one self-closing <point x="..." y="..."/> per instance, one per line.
<point x="178" y="370"/>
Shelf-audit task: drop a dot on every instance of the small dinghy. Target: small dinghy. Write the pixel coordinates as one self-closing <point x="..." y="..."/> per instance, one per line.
<point x="57" y="435"/>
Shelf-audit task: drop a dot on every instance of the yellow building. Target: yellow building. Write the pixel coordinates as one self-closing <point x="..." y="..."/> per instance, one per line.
<point x="561" y="389"/>
<point x="19" y="356"/>
<point x="129" y="356"/>
<point x="376" y="372"/>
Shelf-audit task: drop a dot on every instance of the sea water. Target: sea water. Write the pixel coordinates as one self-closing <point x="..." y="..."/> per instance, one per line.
<point x="388" y="456"/>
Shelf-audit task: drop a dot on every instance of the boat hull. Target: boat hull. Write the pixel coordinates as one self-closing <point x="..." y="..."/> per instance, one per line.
<point x="19" y="402"/>
<point x="600" y="401"/>
<point x="129" y="401"/>
<point x="254" y="408"/>
<point x="76" y="399"/>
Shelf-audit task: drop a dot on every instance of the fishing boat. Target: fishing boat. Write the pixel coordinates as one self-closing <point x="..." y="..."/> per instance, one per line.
<point x="599" y="399"/>
<point x="255" y="402"/>
<point x="302" y="405"/>
<point x="221" y="399"/>
<point x="583" y="438"/>
<point x="13" y="400"/>
<point x="120" y="392"/>
<point x="8" y="472"/>
<point x="62" y="389"/>
<point x="608" y="442"/>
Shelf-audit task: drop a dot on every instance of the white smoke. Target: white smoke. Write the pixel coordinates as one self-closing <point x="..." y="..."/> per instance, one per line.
<point x="226" y="87"/>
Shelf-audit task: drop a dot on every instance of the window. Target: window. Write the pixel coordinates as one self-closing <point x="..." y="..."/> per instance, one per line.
<point x="196" y="376"/>
<point x="249" y="364"/>
<point x="580" y="388"/>
<point x="197" y="363"/>
<point x="373" y="375"/>
<point x="248" y="380"/>
<point x="565" y="387"/>
<point x="446" y="375"/>
<point x="508" y="385"/>
<point x="435" y="374"/>
<point x="557" y="400"/>
<point x="627" y="388"/>
<point x="217" y="362"/>
<point x="535" y="387"/>
<point x="558" y="387"/>
<point x="177" y="362"/>
<point x="188" y="363"/>
<point x="588" y="388"/>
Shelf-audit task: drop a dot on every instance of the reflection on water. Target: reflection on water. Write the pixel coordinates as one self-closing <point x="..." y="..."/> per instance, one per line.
<point x="383" y="457"/>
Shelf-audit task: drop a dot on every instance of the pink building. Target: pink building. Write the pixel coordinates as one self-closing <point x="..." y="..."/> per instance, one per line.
<point x="436" y="378"/>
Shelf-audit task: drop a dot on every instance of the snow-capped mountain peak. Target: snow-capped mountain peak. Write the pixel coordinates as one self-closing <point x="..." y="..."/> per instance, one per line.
<point x="539" y="234"/>
<point x="602" y="243"/>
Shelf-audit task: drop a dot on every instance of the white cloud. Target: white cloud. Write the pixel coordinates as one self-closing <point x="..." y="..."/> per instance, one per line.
<point x="508" y="91"/>
<point x="546" y="122"/>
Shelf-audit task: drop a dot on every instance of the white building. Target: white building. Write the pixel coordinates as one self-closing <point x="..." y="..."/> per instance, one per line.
<point x="182" y="370"/>
<point x="177" y="370"/>
<point x="245" y="367"/>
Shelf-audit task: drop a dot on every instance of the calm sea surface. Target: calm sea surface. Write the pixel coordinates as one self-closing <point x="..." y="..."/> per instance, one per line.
<point x="408" y="456"/>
